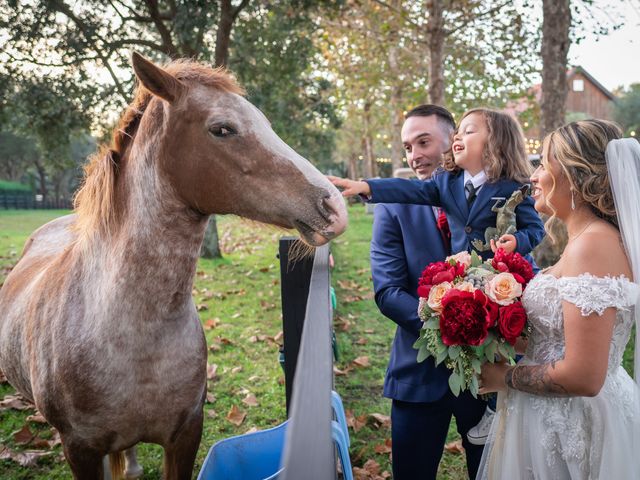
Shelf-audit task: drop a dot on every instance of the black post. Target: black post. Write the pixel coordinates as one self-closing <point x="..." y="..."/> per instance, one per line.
<point x="295" y="276"/>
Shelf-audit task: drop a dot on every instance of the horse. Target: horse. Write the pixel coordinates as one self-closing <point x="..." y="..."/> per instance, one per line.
<point x="97" y="322"/>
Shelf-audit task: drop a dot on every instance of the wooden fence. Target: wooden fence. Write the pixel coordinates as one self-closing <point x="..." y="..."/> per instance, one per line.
<point x="29" y="202"/>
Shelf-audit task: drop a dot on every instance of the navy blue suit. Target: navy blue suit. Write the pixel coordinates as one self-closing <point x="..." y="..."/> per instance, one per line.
<point x="446" y="190"/>
<point x="405" y="239"/>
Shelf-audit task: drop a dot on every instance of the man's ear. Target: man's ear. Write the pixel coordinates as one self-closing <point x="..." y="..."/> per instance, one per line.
<point x="155" y="79"/>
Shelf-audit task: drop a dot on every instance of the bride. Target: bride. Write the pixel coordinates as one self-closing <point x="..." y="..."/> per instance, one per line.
<point x="568" y="409"/>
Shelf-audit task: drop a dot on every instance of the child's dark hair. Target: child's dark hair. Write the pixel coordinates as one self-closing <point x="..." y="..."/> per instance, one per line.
<point x="444" y="116"/>
<point x="504" y="156"/>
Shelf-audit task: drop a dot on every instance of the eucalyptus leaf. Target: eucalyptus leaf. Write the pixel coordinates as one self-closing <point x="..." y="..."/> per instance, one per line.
<point x="454" y="351"/>
<point x="432" y="324"/>
<point x="441" y="356"/>
<point x="455" y="383"/>
<point x="423" y="353"/>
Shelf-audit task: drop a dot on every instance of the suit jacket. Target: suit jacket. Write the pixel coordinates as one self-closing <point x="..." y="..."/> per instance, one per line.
<point x="405" y="239"/>
<point x="446" y="190"/>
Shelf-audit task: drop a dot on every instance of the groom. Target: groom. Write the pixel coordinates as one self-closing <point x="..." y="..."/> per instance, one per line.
<point x="405" y="239"/>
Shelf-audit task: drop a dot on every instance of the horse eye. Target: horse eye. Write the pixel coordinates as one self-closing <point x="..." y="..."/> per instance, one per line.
<point x="222" y="131"/>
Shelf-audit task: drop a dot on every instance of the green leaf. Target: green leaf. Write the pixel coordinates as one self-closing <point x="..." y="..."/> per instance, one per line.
<point x="423" y="353"/>
<point x="441" y="356"/>
<point x="454" y="351"/>
<point x="420" y="342"/>
<point x="490" y="351"/>
<point x="476" y="260"/>
<point x="455" y="383"/>
<point x="433" y="323"/>
<point x="506" y="350"/>
<point x="473" y="387"/>
<point x="476" y="364"/>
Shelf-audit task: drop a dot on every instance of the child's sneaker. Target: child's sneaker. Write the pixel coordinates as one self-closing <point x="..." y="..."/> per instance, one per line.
<point x="478" y="434"/>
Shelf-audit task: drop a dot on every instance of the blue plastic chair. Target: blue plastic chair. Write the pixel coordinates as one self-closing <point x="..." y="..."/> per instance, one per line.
<point x="256" y="456"/>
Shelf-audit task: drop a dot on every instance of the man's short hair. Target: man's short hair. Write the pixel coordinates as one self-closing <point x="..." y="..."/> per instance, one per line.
<point x="444" y="116"/>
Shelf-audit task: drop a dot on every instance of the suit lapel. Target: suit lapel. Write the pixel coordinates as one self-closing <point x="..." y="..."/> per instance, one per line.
<point x="456" y="184"/>
<point x="485" y="194"/>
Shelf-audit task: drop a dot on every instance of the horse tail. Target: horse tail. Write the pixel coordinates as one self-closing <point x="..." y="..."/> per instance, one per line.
<point x="116" y="465"/>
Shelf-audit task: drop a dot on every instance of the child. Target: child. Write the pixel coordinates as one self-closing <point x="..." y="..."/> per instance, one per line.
<point x="488" y="161"/>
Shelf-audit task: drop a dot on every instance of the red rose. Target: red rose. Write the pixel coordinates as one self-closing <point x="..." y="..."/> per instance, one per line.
<point x="513" y="263"/>
<point x="511" y="321"/>
<point x="465" y="318"/>
<point x="438" y="272"/>
<point x="494" y="311"/>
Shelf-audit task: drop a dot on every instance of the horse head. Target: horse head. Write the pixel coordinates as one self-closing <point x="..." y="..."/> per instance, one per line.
<point x="221" y="156"/>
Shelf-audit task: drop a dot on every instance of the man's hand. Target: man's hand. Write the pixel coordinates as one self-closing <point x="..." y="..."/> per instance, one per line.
<point x="507" y="242"/>
<point x="350" y="187"/>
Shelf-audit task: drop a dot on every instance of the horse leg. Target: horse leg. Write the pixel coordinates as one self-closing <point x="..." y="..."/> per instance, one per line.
<point x="180" y="455"/>
<point x="133" y="468"/>
<point x="85" y="463"/>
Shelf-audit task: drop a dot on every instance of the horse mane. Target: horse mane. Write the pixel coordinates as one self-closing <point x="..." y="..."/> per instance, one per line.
<point x="94" y="202"/>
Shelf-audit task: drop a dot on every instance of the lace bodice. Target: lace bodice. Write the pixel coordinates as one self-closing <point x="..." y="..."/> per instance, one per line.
<point x="543" y="301"/>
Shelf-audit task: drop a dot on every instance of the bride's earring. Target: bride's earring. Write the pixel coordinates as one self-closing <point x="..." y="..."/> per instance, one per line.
<point x="573" y="202"/>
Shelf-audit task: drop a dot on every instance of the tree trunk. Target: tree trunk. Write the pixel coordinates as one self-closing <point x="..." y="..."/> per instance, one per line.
<point x="210" y="245"/>
<point x="42" y="179"/>
<point x="223" y="35"/>
<point x="352" y="169"/>
<point x="555" y="46"/>
<point x="370" y="167"/>
<point x="436" y="37"/>
<point x="396" y="110"/>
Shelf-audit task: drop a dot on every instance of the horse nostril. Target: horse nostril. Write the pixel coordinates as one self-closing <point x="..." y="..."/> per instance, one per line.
<point x="327" y="208"/>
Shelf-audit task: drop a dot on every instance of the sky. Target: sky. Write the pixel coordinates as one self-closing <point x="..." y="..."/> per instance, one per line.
<point x="613" y="59"/>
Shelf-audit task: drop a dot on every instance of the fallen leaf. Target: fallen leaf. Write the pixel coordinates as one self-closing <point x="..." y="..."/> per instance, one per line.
<point x="362" y="361"/>
<point x="381" y="420"/>
<point x="210" y="397"/>
<point x="252" y="430"/>
<point x="278" y="336"/>
<point x="236" y="369"/>
<point x="383" y="447"/>
<point x="36" y="418"/>
<point x="253" y="378"/>
<point x="355" y="422"/>
<point x="23" y="436"/>
<point x="250" y="400"/>
<point x="15" y="402"/>
<point x="211" y="323"/>
<point x="361" y="341"/>
<point x="454" y="447"/>
<point x="236" y="416"/>
<point x="202" y="306"/>
<point x="338" y="372"/>
<point x="212" y="413"/>
<point x="236" y="315"/>
<point x="369" y="330"/>
<point x="212" y="371"/>
<point x="26" y="459"/>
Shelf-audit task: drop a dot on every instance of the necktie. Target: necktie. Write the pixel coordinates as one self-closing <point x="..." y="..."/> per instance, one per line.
<point x="471" y="192"/>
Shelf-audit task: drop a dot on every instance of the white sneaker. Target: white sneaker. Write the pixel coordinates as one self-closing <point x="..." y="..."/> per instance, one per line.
<point x="478" y="434"/>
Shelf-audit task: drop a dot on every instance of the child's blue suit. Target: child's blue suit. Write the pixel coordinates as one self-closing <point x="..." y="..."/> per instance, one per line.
<point x="446" y="190"/>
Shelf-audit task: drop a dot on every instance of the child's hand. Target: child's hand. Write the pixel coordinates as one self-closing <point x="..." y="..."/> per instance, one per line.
<point x="507" y="242"/>
<point x="350" y="187"/>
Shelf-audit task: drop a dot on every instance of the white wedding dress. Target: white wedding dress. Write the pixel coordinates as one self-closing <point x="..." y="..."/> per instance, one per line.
<point x="558" y="438"/>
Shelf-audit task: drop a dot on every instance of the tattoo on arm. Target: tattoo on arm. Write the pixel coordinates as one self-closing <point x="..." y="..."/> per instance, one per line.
<point x="535" y="379"/>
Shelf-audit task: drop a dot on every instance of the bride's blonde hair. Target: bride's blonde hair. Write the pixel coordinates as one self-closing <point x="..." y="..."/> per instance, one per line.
<point x="579" y="148"/>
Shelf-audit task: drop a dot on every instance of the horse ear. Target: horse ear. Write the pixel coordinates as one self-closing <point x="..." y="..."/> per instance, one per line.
<point x="155" y="79"/>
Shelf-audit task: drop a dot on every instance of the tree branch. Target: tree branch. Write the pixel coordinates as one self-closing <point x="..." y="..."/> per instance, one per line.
<point x="235" y="12"/>
<point x="164" y="32"/>
<point x="63" y="8"/>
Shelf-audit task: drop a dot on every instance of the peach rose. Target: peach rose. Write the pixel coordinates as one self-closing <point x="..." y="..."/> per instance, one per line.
<point x="462" y="257"/>
<point x="436" y="294"/>
<point x="466" y="287"/>
<point x="503" y="288"/>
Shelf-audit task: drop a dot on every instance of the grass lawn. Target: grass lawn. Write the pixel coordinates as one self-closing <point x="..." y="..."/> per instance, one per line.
<point x="239" y="302"/>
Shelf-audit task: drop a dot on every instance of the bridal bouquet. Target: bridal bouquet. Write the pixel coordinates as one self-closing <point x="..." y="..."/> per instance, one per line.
<point x="471" y="312"/>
